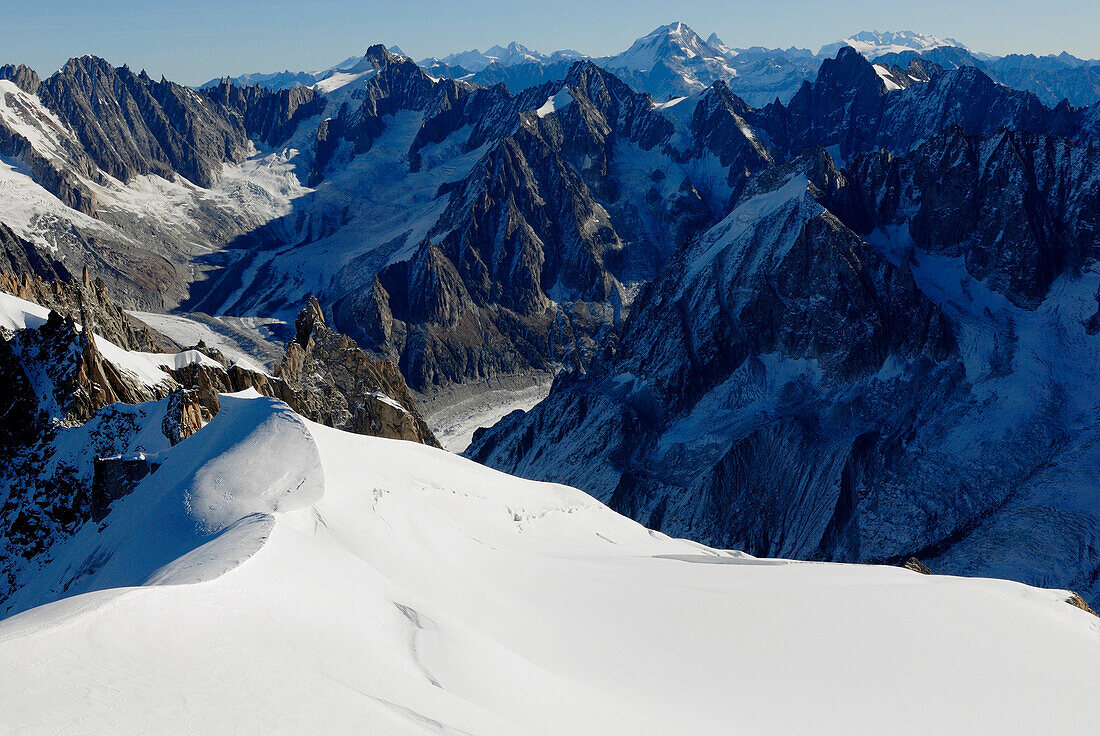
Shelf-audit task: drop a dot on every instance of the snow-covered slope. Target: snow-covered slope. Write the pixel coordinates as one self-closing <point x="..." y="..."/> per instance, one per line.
<point x="276" y="576"/>
<point x="148" y="369"/>
<point x="145" y="231"/>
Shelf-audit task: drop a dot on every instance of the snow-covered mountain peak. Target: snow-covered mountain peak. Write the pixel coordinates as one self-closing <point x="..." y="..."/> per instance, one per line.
<point x="674" y="59"/>
<point x="515" y="53"/>
<point x="718" y="45"/>
<point x="512" y="54"/>
<point x="876" y="43"/>
<point x="674" y="39"/>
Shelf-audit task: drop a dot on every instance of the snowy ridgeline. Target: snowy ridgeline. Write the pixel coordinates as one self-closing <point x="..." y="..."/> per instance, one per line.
<point x="147" y="368"/>
<point x="277" y="576"/>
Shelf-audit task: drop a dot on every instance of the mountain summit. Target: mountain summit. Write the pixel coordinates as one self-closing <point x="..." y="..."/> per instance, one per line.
<point x="674" y="61"/>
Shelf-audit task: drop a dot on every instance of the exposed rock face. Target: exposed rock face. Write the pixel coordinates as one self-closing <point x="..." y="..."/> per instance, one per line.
<point x="271" y="117"/>
<point x="841" y="107"/>
<point x="917" y="566"/>
<point x="20" y="256"/>
<point x="850" y="106"/>
<point x="1020" y="208"/>
<point x="918" y="71"/>
<point x="89" y="297"/>
<point x="332" y="381"/>
<point x="520" y="236"/>
<point x="718" y="126"/>
<point x="539" y="215"/>
<point x="131" y="125"/>
<point x="18" y="401"/>
<point x="115" y="477"/>
<point x="23" y="76"/>
<point x="184" y="415"/>
<point x="1077" y="602"/>
<point x="68" y="372"/>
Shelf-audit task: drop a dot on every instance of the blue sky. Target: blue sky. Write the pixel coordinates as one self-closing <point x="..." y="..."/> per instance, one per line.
<point x="191" y="42"/>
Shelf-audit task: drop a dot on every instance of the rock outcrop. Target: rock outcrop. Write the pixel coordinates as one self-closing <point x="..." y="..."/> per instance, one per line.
<point x="87" y="296"/>
<point x="23" y="76"/>
<point x="184" y="415"/>
<point x="917" y="566"/>
<point x="330" y="380"/>
<point x="1078" y="602"/>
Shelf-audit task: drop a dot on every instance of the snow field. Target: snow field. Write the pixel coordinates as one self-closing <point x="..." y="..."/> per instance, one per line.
<point x="354" y="584"/>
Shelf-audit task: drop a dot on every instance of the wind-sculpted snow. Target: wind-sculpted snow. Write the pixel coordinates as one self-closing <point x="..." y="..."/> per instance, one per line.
<point x="205" y="509"/>
<point x="266" y="462"/>
<point x="422" y="593"/>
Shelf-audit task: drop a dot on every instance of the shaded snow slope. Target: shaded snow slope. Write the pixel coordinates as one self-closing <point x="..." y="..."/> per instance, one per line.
<point x="18" y="314"/>
<point x="358" y="585"/>
<point x="206" y="508"/>
<point x="247" y="342"/>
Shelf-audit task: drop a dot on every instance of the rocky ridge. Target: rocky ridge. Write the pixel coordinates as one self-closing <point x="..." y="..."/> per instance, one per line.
<point x="131" y="125"/>
<point x="333" y="382"/>
<point x="83" y="428"/>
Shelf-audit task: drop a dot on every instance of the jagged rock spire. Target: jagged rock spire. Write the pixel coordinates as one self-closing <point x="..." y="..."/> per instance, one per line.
<point x="380" y="56"/>
<point x="310" y="316"/>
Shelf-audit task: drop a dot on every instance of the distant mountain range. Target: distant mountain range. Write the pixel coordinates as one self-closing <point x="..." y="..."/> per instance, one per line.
<point x="673" y="61"/>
